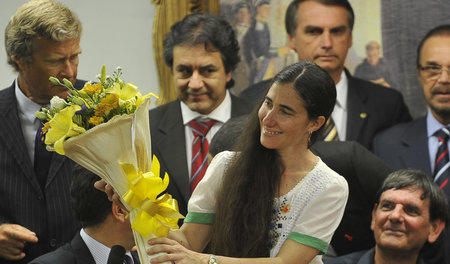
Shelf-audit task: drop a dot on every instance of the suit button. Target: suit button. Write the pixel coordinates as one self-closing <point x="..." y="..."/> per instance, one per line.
<point x="53" y="242"/>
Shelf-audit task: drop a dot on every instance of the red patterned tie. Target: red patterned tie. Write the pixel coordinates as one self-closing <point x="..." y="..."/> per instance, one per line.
<point x="441" y="166"/>
<point x="200" y="147"/>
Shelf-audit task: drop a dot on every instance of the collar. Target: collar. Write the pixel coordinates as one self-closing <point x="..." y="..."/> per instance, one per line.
<point x="432" y="124"/>
<point x="342" y="91"/>
<point x="25" y="105"/>
<point x="222" y="113"/>
<point x="99" y="251"/>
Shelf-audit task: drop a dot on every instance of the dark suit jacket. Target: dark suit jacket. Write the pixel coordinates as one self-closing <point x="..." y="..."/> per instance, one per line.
<point x="75" y="252"/>
<point x="46" y="212"/>
<point x="406" y="146"/>
<point x="371" y="108"/>
<point x="361" y="257"/>
<point x="365" y="174"/>
<point x="169" y="145"/>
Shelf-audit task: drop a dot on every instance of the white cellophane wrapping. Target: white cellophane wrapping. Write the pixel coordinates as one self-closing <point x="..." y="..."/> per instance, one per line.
<point x="124" y="138"/>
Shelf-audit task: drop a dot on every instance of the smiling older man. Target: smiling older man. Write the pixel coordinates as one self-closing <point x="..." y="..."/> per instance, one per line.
<point x="411" y="211"/>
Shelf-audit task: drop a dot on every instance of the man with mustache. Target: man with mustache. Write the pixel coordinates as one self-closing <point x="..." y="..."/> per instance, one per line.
<point x="423" y="143"/>
<point x="202" y="51"/>
<point x="321" y="31"/>
<point x="411" y="211"/>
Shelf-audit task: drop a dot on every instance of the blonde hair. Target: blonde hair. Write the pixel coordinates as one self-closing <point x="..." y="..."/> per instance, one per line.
<point x="39" y="18"/>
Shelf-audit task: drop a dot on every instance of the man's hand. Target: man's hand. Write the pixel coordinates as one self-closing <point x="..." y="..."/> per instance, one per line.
<point x="13" y="239"/>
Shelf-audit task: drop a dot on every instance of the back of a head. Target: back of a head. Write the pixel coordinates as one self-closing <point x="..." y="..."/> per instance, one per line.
<point x="211" y="31"/>
<point x="39" y="18"/>
<point x="439" y="207"/>
<point x="227" y="136"/>
<point x="291" y="17"/>
<point x="90" y="205"/>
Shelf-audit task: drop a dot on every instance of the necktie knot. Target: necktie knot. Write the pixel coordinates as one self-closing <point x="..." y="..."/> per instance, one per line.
<point x="201" y="128"/>
<point x="443" y="134"/>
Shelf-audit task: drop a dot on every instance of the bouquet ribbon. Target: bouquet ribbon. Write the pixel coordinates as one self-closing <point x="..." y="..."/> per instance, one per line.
<point x="157" y="215"/>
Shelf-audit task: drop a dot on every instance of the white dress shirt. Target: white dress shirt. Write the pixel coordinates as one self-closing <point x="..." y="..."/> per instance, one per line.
<point x="340" y="111"/>
<point x="27" y="109"/>
<point x="99" y="251"/>
<point x="221" y="114"/>
<point x="432" y="126"/>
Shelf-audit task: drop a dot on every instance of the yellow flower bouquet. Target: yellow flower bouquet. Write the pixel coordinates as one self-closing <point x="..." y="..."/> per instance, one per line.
<point x="105" y="128"/>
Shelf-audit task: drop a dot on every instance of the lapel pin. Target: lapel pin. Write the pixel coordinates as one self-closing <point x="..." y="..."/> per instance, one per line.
<point x="363" y="115"/>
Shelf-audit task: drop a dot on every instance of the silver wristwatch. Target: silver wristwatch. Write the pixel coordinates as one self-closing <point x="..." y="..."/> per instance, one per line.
<point x="213" y="259"/>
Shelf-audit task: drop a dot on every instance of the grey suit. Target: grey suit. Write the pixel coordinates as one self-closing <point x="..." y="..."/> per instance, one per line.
<point x="169" y="145"/>
<point x="371" y="108"/>
<point x="46" y="212"/>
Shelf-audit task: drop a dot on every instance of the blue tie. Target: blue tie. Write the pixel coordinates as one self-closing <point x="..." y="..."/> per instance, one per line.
<point x="441" y="166"/>
<point x="42" y="158"/>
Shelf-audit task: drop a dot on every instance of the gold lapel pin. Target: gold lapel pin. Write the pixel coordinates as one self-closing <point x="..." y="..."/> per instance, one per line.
<point x="363" y="115"/>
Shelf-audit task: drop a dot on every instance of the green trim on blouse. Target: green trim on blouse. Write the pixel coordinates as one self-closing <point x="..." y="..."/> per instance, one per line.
<point x="309" y="241"/>
<point x="200" y="218"/>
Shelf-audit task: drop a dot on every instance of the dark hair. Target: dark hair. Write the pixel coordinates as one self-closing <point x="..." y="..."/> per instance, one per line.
<point x="291" y="17"/>
<point x="90" y="205"/>
<point x="240" y="5"/>
<point x="262" y="2"/>
<point x="442" y="30"/>
<point x="316" y="88"/>
<point x="439" y="208"/>
<point x="227" y="135"/>
<point x="209" y="30"/>
<point x="242" y="220"/>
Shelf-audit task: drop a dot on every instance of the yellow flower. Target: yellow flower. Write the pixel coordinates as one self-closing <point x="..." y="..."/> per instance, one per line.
<point x="62" y="127"/>
<point x="45" y="127"/>
<point x="96" y="120"/>
<point x="110" y="102"/>
<point x="128" y="91"/>
<point x="92" y="88"/>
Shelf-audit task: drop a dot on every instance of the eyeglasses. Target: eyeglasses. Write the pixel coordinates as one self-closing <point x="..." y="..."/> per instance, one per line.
<point x="433" y="71"/>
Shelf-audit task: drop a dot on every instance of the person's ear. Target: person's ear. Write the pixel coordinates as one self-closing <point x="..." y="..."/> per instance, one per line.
<point x="316" y="124"/>
<point x="436" y="228"/>
<point x="118" y="213"/>
<point x="292" y="43"/>
<point x="372" y="223"/>
<point x="228" y="76"/>
<point x="20" y="61"/>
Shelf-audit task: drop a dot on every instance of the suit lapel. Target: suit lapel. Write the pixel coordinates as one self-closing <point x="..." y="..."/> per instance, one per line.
<point x="55" y="166"/>
<point x="172" y="146"/>
<point x="81" y="251"/>
<point x="357" y="110"/>
<point x="15" y="144"/>
<point x="416" y="153"/>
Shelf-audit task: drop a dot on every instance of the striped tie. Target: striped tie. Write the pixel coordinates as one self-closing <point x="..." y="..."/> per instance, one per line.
<point x="42" y="158"/>
<point x="200" y="147"/>
<point x="441" y="171"/>
<point x="329" y="131"/>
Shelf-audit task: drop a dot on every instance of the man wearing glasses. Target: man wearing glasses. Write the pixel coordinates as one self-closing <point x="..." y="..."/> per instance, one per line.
<point x="423" y="143"/>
